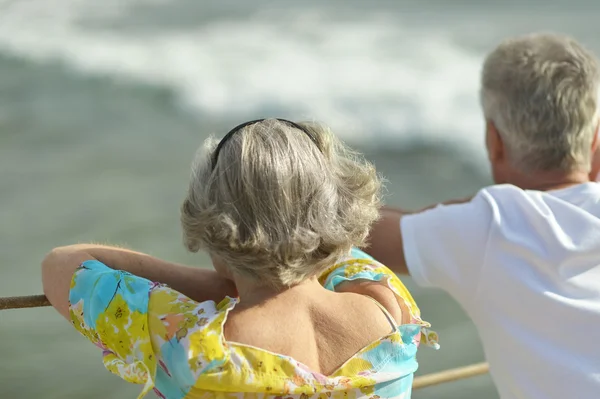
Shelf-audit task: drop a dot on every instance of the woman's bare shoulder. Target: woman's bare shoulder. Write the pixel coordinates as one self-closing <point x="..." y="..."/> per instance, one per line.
<point x="379" y="292"/>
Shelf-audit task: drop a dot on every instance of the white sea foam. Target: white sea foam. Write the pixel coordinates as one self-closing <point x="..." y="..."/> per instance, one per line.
<point x="373" y="80"/>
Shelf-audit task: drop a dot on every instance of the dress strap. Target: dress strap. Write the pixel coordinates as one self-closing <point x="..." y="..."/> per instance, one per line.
<point x="387" y="314"/>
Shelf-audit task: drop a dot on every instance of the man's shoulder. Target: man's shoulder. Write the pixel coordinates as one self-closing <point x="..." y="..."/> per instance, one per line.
<point x="499" y="194"/>
<point x="510" y="203"/>
<point x="511" y="200"/>
<point x="588" y="188"/>
<point x="500" y="190"/>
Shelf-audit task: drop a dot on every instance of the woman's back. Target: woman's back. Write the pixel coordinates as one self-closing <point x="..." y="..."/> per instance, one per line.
<point x="322" y="332"/>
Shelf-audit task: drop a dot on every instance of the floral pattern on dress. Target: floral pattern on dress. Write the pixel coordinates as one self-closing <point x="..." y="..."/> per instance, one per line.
<point x="152" y="335"/>
<point x="110" y="310"/>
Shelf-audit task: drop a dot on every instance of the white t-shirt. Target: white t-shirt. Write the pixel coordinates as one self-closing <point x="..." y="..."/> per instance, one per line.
<point x="525" y="265"/>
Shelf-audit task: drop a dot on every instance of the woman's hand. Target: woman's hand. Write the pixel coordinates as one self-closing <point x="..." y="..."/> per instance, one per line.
<point x="60" y="264"/>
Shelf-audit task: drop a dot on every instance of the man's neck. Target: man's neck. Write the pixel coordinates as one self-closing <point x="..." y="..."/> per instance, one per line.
<point x="547" y="181"/>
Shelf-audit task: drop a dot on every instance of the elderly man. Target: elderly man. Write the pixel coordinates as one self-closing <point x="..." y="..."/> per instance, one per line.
<point x="523" y="256"/>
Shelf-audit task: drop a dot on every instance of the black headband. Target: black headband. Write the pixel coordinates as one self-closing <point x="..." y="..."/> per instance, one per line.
<point x="243" y="125"/>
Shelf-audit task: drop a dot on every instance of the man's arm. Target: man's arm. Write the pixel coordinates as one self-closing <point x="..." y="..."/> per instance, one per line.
<point x="60" y="264"/>
<point x="385" y="238"/>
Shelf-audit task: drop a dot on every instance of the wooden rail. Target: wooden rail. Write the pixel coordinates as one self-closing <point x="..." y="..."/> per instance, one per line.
<point x="19" y="302"/>
<point x="459" y="373"/>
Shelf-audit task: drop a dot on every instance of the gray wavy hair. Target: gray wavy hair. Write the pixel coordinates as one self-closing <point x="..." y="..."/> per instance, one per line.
<point x="541" y="92"/>
<point x="278" y="207"/>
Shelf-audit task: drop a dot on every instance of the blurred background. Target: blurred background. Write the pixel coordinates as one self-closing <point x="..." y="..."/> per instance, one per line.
<point x="103" y="103"/>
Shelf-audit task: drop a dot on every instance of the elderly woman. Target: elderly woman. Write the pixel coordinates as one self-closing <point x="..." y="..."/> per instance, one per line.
<point x="291" y="310"/>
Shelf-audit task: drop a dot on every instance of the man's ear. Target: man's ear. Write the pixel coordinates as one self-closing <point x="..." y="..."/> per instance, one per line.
<point x="595" y="168"/>
<point x="494" y="143"/>
<point x="595" y="139"/>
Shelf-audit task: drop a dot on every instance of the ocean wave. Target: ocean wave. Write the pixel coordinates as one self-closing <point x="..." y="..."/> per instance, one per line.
<point x="374" y="81"/>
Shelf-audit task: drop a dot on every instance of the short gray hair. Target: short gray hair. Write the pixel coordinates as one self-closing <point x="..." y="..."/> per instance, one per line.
<point x="279" y="207"/>
<point x="541" y="93"/>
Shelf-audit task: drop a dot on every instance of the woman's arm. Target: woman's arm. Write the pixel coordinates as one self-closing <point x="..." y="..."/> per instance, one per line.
<point x="60" y="264"/>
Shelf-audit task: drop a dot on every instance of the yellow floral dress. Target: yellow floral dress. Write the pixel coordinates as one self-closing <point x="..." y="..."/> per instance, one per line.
<point x="155" y="336"/>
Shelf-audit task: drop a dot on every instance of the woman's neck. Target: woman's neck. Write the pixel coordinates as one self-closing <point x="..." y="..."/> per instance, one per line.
<point x="252" y="293"/>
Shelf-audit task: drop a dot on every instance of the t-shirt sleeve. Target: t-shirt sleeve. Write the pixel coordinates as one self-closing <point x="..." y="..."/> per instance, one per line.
<point x="445" y="247"/>
<point x="144" y="328"/>
<point x="358" y="265"/>
<point x="110" y="308"/>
